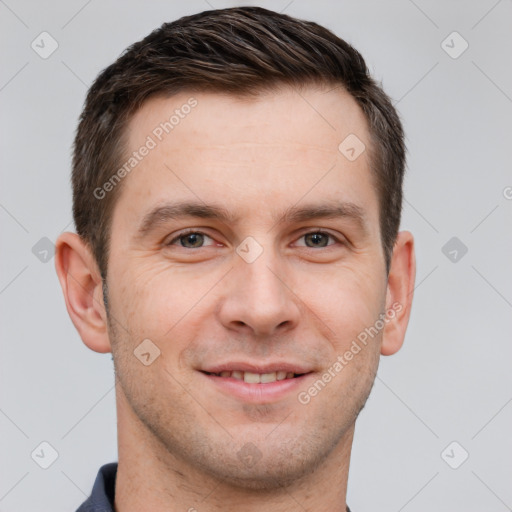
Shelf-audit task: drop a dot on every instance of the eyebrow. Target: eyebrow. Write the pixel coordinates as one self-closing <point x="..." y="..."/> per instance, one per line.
<point x="163" y="213"/>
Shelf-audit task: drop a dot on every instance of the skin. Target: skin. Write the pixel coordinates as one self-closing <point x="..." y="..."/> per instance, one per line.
<point x="179" y="435"/>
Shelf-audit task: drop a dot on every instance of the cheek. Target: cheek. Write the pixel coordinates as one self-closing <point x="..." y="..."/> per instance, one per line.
<point x="156" y="300"/>
<point x="347" y="300"/>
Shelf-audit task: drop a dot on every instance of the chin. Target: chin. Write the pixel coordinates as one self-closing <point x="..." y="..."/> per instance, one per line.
<point x="266" y="479"/>
<point x="273" y="470"/>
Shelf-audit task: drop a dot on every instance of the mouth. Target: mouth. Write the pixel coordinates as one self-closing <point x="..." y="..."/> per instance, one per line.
<point x="258" y="384"/>
<point x="256" y="378"/>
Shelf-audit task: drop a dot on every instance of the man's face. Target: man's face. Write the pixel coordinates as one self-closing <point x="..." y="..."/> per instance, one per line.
<point x="258" y="290"/>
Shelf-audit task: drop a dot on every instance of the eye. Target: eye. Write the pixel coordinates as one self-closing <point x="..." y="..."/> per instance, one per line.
<point x="318" y="239"/>
<point x="196" y="239"/>
<point x="190" y="239"/>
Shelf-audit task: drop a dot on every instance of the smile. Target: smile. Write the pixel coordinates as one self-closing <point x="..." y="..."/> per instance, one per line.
<point x="258" y="388"/>
<point x="256" y="378"/>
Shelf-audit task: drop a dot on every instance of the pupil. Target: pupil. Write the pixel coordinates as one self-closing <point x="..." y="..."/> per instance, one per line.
<point x="193" y="238"/>
<point x="317" y="238"/>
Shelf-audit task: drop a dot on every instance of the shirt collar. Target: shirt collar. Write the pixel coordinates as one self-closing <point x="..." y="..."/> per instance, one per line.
<point x="103" y="491"/>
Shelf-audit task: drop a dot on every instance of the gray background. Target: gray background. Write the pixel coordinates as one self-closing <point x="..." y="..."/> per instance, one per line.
<point x="450" y="382"/>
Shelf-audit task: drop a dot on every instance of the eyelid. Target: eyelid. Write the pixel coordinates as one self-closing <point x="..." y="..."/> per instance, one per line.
<point x="183" y="233"/>
<point x="307" y="231"/>
<point x="321" y="231"/>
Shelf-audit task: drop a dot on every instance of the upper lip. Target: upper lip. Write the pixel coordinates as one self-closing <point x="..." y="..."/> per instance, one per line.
<point x="257" y="368"/>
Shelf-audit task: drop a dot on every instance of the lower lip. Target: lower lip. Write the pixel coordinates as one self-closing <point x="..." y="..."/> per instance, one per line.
<point x="258" y="393"/>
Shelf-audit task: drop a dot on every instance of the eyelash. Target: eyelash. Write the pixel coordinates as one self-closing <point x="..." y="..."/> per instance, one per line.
<point x="195" y="232"/>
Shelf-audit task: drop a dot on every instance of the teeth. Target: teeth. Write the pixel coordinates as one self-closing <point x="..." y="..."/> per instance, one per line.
<point x="252" y="378"/>
<point x="268" y="377"/>
<point x="257" y="378"/>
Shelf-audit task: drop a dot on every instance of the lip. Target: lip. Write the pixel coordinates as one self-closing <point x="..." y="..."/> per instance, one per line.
<point x="258" y="393"/>
<point x="258" y="368"/>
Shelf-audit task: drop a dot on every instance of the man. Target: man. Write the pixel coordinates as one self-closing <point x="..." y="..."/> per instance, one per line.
<point x="237" y="181"/>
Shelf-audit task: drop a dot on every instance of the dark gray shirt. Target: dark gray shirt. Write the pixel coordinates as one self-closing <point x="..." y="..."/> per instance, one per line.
<point x="103" y="491"/>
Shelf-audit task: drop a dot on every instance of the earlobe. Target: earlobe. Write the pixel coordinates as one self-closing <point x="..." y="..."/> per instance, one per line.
<point x="82" y="288"/>
<point x="399" y="293"/>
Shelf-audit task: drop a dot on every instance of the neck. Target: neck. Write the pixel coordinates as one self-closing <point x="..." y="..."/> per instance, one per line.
<point x="151" y="478"/>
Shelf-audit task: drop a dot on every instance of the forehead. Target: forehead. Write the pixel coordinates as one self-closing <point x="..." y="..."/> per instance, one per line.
<point x="314" y="116"/>
<point x="251" y="154"/>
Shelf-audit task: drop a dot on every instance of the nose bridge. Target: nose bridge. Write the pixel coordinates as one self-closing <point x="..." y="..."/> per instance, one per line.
<point x="259" y="298"/>
<point x="262" y="279"/>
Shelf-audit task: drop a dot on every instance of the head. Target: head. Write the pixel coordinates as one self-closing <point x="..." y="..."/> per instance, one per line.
<point x="237" y="189"/>
<point x="242" y="52"/>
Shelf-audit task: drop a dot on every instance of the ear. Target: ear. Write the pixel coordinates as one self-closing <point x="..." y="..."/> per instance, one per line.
<point x="399" y="293"/>
<point x="81" y="284"/>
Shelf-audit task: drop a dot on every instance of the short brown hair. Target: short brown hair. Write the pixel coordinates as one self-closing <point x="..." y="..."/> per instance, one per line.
<point x="240" y="51"/>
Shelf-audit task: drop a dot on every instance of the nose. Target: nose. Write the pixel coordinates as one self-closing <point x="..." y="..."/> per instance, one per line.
<point x="259" y="299"/>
